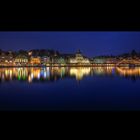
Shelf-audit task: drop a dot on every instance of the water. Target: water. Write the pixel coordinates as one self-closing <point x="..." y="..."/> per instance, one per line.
<point x="70" y="88"/>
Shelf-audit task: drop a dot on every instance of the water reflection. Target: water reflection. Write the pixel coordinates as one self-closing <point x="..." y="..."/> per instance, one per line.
<point x="129" y="73"/>
<point x="34" y="74"/>
<point x="79" y="72"/>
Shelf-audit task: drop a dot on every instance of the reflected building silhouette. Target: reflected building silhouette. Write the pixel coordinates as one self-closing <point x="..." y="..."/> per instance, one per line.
<point x="50" y="74"/>
<point x="79" y="72"/>
<point x="128" y="71"/>
<point x="102" y="70"/>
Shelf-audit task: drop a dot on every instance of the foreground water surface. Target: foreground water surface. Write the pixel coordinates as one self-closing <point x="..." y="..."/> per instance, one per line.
<point x="70" y="88"/>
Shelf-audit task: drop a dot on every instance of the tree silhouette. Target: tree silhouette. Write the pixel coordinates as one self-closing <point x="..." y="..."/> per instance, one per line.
<point x="133" y="53"/>
<point x="22" y="52"/>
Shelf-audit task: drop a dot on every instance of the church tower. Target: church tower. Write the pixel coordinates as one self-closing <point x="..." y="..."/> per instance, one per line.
<point x="79" y="56"/>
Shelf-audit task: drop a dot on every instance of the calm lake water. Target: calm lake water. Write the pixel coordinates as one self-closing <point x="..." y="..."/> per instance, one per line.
<point x="70" y="88"/>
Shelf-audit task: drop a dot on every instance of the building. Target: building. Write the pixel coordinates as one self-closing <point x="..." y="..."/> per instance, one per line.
<point x="21" y="60"/>
<point x="104" y="60"/>
<point x="10" y="59"/>
<point x="6" y="59"/>
<point x="128" y="61"/>
<point x="111" y="61"/>
<point x="98" y="60"/>
<point x="58" y="61"/>
<point x="2" y="58"/>
<point x="61" y="61"/>
<point x="79" y="59"/>
<point x="45" y="60"/>
<point x="35" y="60"/>
<point x="67" y="57"/>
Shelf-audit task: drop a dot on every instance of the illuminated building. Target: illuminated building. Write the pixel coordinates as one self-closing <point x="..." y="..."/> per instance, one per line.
<point x="111" y="60"/>
<point x="10" y="59"/>
<point x="128" y="61"/>
<point x="45" y="60"/>
<point x="21" y="60"/>
<point x="35" y="60"/>
<point x="6" y="59"/>
<point x="2" y="58"/>
<point x="79" y="59"/>
<point x="58" y="60"/>
<point x="67" y="57"/>
<point x="99" y="61"/>
<point x="61" y="61"/>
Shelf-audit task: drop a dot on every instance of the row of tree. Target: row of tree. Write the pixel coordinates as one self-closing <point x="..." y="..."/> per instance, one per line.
<point x="50" y="52"/>
<point x="37" y="52"/>
<point x="133" y="53"/>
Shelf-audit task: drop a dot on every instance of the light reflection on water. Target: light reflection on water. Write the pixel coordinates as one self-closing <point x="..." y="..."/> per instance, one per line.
<point x="54" y="73"/>
<point x="76" y="88"/>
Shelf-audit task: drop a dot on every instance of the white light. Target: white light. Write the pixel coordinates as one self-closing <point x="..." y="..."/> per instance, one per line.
<point x="39" y="76"/>
<point x="45" y="74"/>
<point x="32" y="76"/>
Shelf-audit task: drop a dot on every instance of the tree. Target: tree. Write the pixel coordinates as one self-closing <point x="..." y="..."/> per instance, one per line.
<point x="0" y="51"/>
<point x="125" y="55"/>
<point x="22" y="52"/>
<point x="133" y="53"/>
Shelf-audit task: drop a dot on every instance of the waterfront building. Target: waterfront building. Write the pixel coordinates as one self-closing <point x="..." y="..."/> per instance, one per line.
<point x="127" y="61"/>
<point x="45" y="60"/>
<point x="58" y="61"/>
<point x="111" y="61"/>
<point x="61" y="61"/>
<point x="21" y="60"/>
<point x="79" y="59"/>
<point x="104" y="60"/>
<point x="10" y="59"/>
<point x="99" y="60"/>
<point x="67" y="57"/>
<point x="6" y="59"/>
<point x="35" y="60"/>
<point x="2" y="58"/>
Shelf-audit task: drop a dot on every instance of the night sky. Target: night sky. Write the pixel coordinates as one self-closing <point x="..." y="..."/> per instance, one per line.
<point x="90" y="43"/>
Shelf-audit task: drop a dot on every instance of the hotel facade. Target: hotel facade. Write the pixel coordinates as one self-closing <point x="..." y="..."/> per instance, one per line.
<point x="79" y="59"/>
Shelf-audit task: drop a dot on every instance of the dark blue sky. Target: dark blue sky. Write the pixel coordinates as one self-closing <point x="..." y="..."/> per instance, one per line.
<point x="90" y="43"/>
